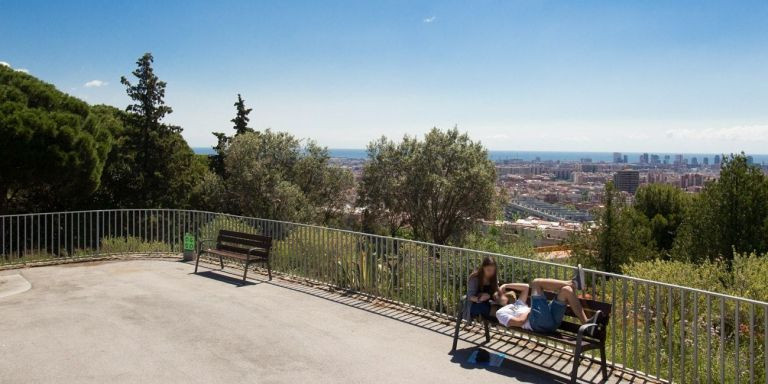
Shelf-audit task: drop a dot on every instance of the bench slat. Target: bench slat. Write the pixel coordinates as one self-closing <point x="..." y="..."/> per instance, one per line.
<point x="245" y="236"/>
<point x="249" y="243"/>
<point x="244" y="251"/>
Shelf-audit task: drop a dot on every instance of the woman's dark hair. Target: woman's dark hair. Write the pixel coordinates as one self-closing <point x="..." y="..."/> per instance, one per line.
<point x="478" y="274"/>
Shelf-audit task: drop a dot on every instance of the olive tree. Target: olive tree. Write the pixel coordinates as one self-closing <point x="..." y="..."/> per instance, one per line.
<point x="437" y="186"/>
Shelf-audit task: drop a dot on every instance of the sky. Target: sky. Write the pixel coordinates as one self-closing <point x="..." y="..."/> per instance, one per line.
<point x="635" y="76"/>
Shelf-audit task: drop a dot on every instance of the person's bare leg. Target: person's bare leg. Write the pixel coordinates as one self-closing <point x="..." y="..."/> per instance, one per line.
<point x="567" y="295"/>
<point x="538" y="286"/>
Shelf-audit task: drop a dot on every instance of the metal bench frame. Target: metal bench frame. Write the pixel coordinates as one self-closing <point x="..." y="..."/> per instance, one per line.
<point x="232" y="245"/>
<point x="569" y="333"/>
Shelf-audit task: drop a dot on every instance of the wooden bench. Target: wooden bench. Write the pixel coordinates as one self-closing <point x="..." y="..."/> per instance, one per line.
<point x="570" y="333"/>
<point x="245" y="247"/>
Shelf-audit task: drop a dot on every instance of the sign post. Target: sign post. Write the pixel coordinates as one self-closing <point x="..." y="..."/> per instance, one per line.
<point x="189" y="247"/>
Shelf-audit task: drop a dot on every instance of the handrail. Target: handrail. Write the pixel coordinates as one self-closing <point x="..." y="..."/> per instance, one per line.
<point x="688" y="324"/>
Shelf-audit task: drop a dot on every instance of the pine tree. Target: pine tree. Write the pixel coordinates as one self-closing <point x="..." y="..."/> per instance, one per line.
<point x="222" y="140"/>
<point x="148" y="108"/>
<point x="241" y="118"/>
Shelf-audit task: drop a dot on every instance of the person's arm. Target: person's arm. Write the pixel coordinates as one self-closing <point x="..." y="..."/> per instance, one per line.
<point x="522" y="288"/>
<point x="472" y="287"/>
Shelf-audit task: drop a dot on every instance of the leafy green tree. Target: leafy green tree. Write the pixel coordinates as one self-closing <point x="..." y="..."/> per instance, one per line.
<point x="730" y="216"/>
<point x="222" y="140"/>
<point x="272" y="175"/>
<point x="664" y="206"/>
<point x="54" y="145"/>
<point x="438" y="186"/>
<point x="621" y="235"/>
<point x="382" y="187"/>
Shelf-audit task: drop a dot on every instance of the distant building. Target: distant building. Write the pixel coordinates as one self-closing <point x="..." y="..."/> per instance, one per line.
<point x="563" y="174"/>
<point x="627" y="180"/>
<point x="694" y="161"/>
<point x="644" y="159"/>
<point x="717" y="159"/>
<point x="750" y="160"/>
<point x="691" y="180"/>
<point x="666" y="159"/>
<point x="617" y="157"/>
<point x="626" y="159"/>
<point x="679" y="160"/>
<point x="655" y="159"/>
<point x="706" y="161"/>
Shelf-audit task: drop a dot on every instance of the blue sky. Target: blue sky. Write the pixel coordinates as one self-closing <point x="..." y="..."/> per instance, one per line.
<point x="525" y="75"/>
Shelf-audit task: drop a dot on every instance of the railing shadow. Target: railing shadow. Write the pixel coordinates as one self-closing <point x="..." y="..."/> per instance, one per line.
<point x="527" y="360"/>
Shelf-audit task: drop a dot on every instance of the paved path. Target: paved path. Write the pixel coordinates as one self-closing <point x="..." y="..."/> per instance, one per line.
<point x="155" y="322"/>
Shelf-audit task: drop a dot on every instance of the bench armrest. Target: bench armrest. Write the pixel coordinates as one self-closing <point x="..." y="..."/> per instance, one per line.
<point x="583" y="329"/>
<point x="251" y="250"/>
<point x="203" y="241"/>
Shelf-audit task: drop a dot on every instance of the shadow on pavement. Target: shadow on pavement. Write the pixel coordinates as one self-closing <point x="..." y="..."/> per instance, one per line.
<point x="508" y="368"/>
<point x="224" y="277"/>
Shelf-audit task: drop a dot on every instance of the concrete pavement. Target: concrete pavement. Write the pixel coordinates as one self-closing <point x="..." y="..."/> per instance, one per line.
<point x="155" y="322"/>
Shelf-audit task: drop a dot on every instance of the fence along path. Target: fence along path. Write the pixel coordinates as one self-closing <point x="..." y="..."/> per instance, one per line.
<point x="659" y="330"/>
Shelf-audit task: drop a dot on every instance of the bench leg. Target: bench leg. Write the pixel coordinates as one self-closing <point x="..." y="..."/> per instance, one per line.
<point x="245" y="272"/>
<point x="269" y="270"/>
<point x="197" y="261"/>
<point x="456" y="333"/>
<point x="221" y="261"/>
<point x="487" y="331"/>
<point x="576" y="360"/>
<point x="603" y="365"/>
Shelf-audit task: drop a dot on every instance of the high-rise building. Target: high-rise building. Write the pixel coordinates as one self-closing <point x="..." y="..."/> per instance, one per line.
<point x="627" y="180"/>
<point x="691" y="180"/>
<point x="679" y="160"/>
<point x="694" y="161"/>
<point x="617" y="157"/>
<point x="750" y="160"/>
<point x="706" y="161"/>
<point x="626" y="159"/>
<point x="644" y="158"/>
<point x="655" y="159"/>
<point x="717" y="159"/>
<point x="666" y="159"/>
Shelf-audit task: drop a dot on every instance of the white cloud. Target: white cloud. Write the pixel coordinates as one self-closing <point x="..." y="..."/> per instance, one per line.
<point x="24" y="70"/>
<point x="430" y="19"/>
<point x="748" y="133"/>
<point x="95" y="84"/>
<point x="4" y="64"/>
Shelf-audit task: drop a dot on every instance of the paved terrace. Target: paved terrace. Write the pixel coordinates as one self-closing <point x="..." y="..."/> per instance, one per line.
<point x="153" y="321"/>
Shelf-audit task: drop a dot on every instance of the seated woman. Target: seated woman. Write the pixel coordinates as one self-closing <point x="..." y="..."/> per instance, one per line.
<point x="544" y="316"/>
<point x="482" y="288"/>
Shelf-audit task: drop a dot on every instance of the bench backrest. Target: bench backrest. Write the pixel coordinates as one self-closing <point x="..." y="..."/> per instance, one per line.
<point x="590" y="306"/>
<point x="240" y="242"/>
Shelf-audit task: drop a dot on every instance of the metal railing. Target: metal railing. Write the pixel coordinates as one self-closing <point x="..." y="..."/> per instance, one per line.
<point x="659" y="330"/>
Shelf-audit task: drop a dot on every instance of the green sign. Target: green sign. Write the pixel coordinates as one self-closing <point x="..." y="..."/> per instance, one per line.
<point x="189" y="242"/>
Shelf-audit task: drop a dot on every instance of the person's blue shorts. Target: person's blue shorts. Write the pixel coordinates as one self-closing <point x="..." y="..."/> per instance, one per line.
<point x="546" y="316"/>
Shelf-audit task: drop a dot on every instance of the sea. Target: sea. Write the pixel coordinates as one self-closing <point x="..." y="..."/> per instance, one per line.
<point x="564" y="156"/>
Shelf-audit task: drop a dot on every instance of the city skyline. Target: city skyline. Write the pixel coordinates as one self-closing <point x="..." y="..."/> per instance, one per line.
<point x="597" y="77"/>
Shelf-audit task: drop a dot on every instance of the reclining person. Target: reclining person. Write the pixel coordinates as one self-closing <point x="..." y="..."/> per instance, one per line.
<point x="543" y="316"/>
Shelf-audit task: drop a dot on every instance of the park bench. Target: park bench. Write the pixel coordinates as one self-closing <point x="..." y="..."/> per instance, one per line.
<point x="571" y="333"/>
<point x="244" y="247"/>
